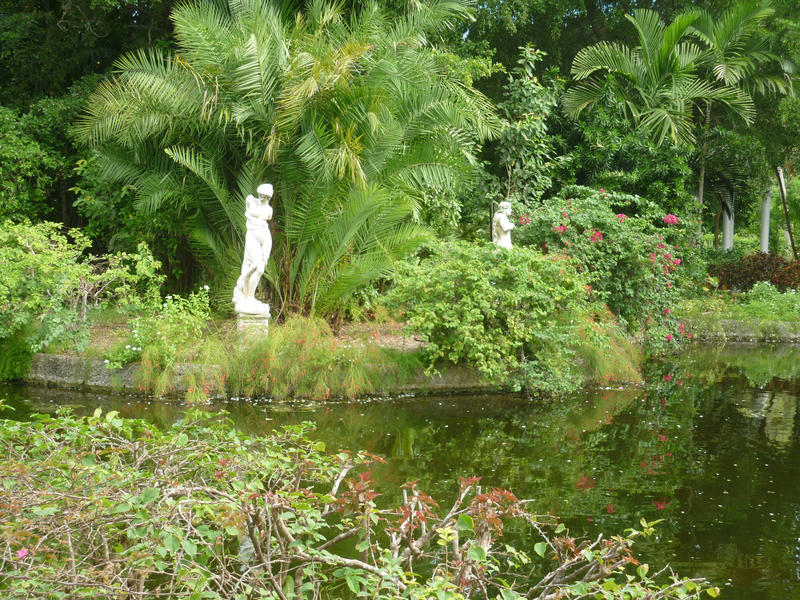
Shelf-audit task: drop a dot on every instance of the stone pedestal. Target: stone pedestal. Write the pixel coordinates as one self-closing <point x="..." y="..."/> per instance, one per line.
<point x="253" y="323"/>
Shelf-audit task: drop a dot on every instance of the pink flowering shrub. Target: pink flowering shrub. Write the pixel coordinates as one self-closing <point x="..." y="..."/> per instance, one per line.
<point x="626" y="247"/>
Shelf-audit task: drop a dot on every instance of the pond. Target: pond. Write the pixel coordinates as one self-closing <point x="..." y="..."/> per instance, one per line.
<point x="708" y="444"/>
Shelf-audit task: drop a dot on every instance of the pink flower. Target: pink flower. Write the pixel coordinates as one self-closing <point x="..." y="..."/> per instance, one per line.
<point x="667" y="377"/>
<point x="610" y="509"/>
<point x="670" y="219"/>
<point x="661" y="504"/>
<point x="524" y="220"/>
<point x="563" y="214"/>
<point x="602" y="191"/>
<point x="677" y="261"/>
<point x="621" y="217"/>
<point x="662" y="437"/>
<point x="669" y="337"/>
<point x="597" y="236"/>
<point x="666" y="311"/>
<point x="560" y="229"/>
<point x="22" y="553"/>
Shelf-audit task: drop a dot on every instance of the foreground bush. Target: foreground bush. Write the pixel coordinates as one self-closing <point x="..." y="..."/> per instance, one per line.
<point x="519" y="317"/>
<point x="114" y="508"/>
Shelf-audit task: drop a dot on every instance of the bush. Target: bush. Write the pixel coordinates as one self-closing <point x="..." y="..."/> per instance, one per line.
<point x="744" y="273"/>
<point x="626" y="248"/>
<point x="114" y="508"/>
<point x="519" y="317"/>
<point x="47" y="285"/>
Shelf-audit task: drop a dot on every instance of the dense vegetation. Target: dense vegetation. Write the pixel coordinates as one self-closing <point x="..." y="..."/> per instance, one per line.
<point x="628" y="138"/>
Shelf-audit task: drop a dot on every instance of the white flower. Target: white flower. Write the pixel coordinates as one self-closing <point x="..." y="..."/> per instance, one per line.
<point x="205" y="287"/>
<point x="106" y="361"/>
<point x="128" y="347"/>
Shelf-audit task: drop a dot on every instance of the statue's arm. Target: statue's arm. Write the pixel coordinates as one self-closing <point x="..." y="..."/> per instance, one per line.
<point x="506" y="224"/>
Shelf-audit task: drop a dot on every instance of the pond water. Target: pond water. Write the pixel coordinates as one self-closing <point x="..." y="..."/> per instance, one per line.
<point x="709" y="444"/>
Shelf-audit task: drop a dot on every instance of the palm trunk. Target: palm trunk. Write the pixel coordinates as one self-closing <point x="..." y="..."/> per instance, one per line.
<point x="701" y="184"/>
<point x="766" y="207"/>
<point x="727" y="221"/>
<point x="782" y="186"/>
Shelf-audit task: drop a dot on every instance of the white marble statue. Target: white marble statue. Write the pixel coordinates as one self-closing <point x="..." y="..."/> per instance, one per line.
<point x="502" y="225"/>
<point x="257" y="246"/>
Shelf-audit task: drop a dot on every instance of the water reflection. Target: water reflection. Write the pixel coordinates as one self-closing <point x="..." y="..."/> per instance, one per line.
<point x="708" y="444"/>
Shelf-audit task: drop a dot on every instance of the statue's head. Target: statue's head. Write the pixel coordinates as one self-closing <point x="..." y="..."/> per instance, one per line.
<point x="505" y="207"/>
<point x="265" y="189"/>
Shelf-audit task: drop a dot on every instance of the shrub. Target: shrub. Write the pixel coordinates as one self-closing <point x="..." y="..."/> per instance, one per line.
<point x="517" y="316"/>
<point x="744" y="273"/>
<point x="111" y="507"/>
<point x="626" y="248"/>
<point x="47" y="284"/>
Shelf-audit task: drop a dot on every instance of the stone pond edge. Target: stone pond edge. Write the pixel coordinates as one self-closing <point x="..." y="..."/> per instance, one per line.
<point x="83" y="373"/>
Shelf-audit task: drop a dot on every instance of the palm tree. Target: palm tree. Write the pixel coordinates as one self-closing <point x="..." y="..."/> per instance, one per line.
<point x="354" y="120"/>
<point x="736" y="54"/>
<point x="656" y="81"/>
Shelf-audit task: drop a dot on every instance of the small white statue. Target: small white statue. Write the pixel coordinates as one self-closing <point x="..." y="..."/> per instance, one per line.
<point x="257" y="247"/>
<point x="502" y="225"/>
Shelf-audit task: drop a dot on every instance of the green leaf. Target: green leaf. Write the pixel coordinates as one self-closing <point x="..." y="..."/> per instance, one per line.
<point x="476" y="553"/>
<point x="232" y="531"/>
<point x="465" y="523"/>
<point x="540" y="548"/>
<point x="713" y="592"/>
<point x="149" y="494"/>
<point x="189" y="547"/>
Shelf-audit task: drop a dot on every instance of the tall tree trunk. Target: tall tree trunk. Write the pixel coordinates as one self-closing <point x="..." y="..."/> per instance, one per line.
<point x="727" y="220"/>
<point x="716" y="224"/>
<point x="766" y="207"/>
<point x="782" y="186"/>
<point x="701" y="184"/>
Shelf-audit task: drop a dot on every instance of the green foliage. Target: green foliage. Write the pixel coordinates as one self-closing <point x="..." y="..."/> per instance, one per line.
<point x="160" y="333"/>
<point x="621" y="243"/>
<point x="15" y="357"/>
<point x="47" y="285"/>
<point x="201" y="510"/>
<point x="518" y="317"/>
<point x="40" y="273"/>
<point x="604" y="149"/>
<point x="356" y="121"/>
<point x="26" y="171"/>
<point x="525" y="149"/>
<point x="656" y="82"/>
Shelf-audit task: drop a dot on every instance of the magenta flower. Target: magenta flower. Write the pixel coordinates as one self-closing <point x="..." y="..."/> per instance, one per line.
<point x="561" y="229"/>
<point x="670" y="219"/>
<point x="524" y="220"/>
<point x="22" y="553"/>
<point x="602" y="191"/>
<point x="621" y="217"/>
<point x="666" y="311"/>
<point x="597" y="236"/>
<point x="669" y="337"/>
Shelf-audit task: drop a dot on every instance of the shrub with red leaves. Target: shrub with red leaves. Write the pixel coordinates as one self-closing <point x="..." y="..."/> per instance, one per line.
<point x="745" y="273"/>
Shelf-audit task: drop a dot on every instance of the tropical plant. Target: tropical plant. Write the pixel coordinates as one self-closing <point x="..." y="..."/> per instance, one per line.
<point x="736" y="54"/>
<point x="656" y="82"/>
<point x="354" y="121"/>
